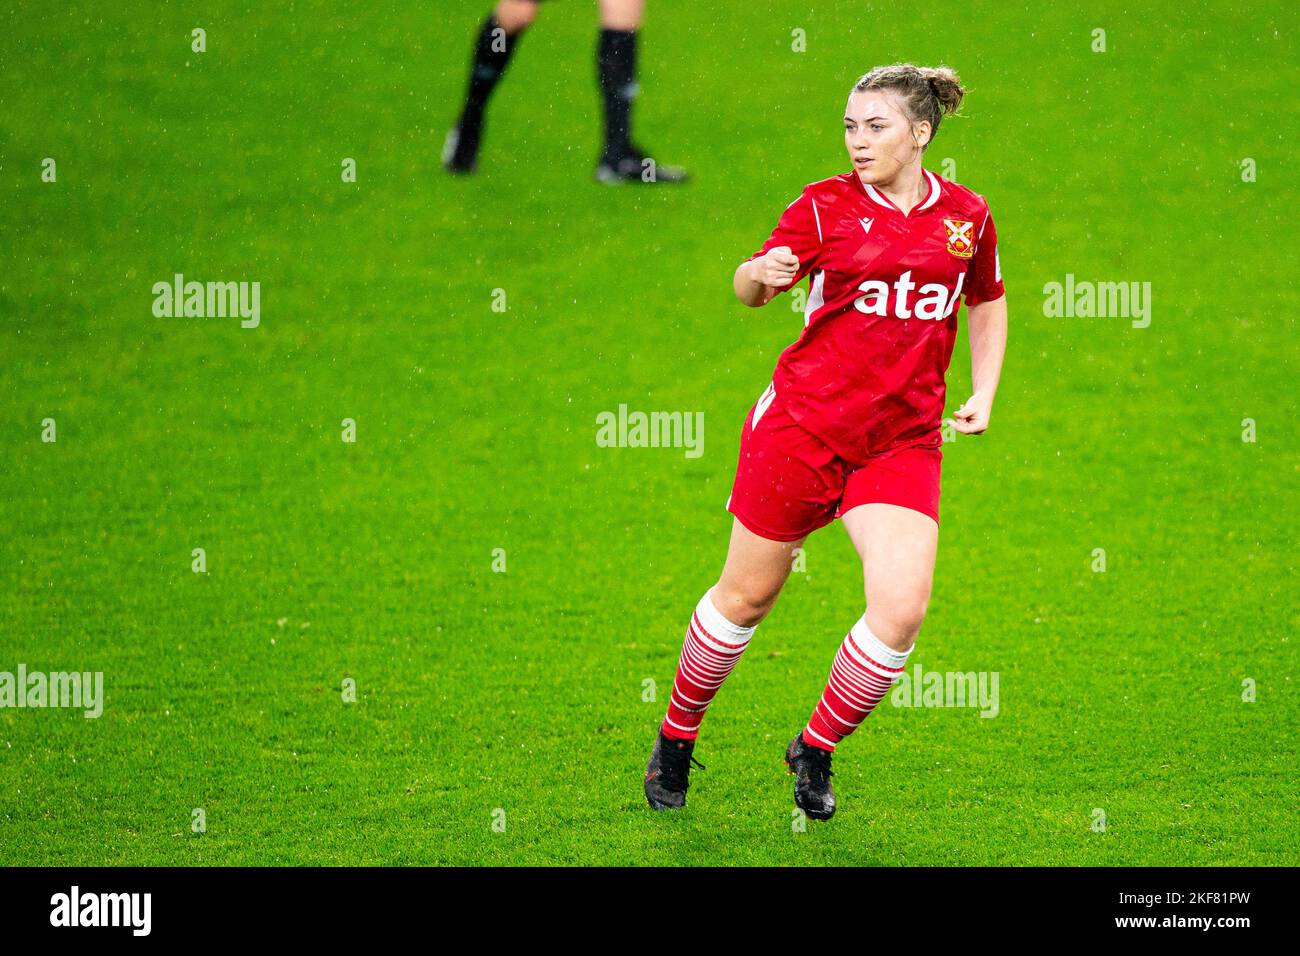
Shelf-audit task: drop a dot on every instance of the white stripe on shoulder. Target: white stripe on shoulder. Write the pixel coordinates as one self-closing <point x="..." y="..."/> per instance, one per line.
<point x="983" y="226"/>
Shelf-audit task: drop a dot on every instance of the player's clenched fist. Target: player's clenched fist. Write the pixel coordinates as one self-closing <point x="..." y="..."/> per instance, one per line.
<point x="777" y="268"/>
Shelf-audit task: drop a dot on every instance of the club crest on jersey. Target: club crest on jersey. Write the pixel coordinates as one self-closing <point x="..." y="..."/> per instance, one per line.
<point x="961" y="237"/>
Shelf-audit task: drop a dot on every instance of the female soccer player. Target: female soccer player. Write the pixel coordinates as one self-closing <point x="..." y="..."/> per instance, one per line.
<point x="849" y="428"/>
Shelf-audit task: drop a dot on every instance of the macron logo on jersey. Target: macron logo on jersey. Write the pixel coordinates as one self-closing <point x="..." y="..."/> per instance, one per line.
<point x="936" y="301"/>
<point x="866" y="225"/>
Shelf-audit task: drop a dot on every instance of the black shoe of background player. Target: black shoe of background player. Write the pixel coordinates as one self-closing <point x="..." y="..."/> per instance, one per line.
<point x="460" y="149"/>
<point x="634" y="166"/>
<point x="811" y="767"/>
<point x="667" y="772"/>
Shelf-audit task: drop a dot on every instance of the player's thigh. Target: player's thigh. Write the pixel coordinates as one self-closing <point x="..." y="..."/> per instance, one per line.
<point x="752" y="576"/>
<point x="897" y="546"/>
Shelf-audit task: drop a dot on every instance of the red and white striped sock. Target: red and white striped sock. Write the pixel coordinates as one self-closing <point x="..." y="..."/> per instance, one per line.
<point x="863" y="671"/>
<point x="712" y="646"/>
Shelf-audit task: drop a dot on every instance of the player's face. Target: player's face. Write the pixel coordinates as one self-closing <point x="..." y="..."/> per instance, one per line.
<point x="880" y="138"/>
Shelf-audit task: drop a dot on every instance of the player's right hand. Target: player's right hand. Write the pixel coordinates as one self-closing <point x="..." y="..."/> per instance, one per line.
<point x="778" y="267"/>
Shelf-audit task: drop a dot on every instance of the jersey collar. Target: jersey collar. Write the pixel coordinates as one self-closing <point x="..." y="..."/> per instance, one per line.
<point x="878" y="197"/>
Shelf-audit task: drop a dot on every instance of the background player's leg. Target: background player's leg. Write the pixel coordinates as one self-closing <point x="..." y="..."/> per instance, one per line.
<point x="897" y="546"/>
<point x="723" y="623"/>
<point x="616" y="73"/>
<point x="493" y="48"/>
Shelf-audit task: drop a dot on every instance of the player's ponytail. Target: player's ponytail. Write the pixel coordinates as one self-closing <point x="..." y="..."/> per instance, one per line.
<point x="947" y="89"/>
<point x="929" y="93"/>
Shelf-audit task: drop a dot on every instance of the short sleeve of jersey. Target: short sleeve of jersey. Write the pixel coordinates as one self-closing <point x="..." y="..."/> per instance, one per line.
<point x="984" y="275"/>
<point x="800" y="229"/>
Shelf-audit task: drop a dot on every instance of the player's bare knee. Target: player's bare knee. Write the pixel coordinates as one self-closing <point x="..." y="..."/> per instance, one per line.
<point x="621" y="14"/>
<point x="744" y="603"/>
<point x="897" y="619"/>
<point x="515" y="15"/>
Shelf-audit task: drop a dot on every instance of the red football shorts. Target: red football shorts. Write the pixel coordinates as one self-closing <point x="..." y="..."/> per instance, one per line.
<point x="788" y="483"/>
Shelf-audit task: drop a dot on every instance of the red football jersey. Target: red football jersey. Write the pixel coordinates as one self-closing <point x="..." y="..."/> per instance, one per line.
<point x="867" y="373"/>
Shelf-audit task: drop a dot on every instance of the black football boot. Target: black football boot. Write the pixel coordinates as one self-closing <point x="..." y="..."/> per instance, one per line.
<point x="667" y="772"/>
<point x="634" y="166"/>
<point x="811" y="767"/>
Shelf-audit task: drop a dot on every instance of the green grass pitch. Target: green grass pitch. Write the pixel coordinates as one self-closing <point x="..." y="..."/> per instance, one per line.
<point x="516" y="697"/>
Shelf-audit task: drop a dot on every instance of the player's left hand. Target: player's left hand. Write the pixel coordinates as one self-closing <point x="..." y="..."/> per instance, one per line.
<point x="973" y="416"/>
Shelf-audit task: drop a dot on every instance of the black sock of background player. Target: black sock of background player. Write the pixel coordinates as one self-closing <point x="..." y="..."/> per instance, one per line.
<point x="492" y="51"/>
<point x="616" y="69"/>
